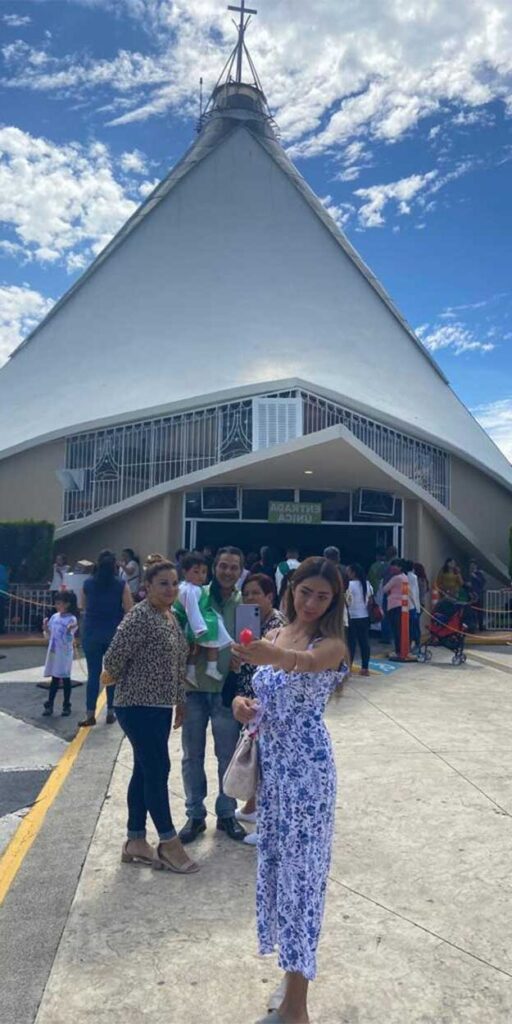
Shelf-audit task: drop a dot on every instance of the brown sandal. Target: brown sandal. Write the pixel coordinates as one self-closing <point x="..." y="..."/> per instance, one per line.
<point x="161" y="863"/>
<point x="133" y="858"/>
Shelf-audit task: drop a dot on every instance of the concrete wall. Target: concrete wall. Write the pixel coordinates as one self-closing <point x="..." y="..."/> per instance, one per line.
<point x="436" y="545"/>
<point x="412" y="522"/>
<point x="483" y="505"/>
<point x="29" y="488"/>
<point x="155" y="526"/>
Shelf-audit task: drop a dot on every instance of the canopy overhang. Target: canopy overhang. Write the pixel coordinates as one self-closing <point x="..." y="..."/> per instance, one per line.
<point x="335" y="460"/>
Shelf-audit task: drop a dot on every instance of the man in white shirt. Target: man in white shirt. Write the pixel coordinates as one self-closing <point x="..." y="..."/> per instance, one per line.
<point x="414" y="604"/>
<point x="290" y="562"/>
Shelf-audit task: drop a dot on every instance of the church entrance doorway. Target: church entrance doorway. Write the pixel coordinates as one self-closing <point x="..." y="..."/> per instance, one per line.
<point x="356" y="543"/>
<point x="315" y="519"/>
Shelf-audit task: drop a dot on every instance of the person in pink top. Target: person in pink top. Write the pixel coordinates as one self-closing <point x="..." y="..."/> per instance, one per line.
<point x="393" y="589"/>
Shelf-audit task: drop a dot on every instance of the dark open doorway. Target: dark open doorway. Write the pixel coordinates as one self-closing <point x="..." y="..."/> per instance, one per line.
<point x="356" y="543"/>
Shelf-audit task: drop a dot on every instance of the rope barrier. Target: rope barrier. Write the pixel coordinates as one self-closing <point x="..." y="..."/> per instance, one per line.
<point x="460" y="632"/>
<point x="470" y="604"/>
<point x="23" y="600"/>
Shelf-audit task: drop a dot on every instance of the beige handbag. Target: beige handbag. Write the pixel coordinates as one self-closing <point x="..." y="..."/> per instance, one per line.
<point x="241" y="775"/>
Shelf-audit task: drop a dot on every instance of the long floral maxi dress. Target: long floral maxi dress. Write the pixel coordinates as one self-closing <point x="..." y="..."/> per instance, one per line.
<point x="296" y="803"/>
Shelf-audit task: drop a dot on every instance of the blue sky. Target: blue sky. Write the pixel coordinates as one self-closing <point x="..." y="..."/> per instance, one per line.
<point x="398" y="114"/>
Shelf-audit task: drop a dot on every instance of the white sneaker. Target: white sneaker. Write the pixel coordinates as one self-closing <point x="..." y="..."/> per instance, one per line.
<point x="213" y="672"/>
<point x="251" y="839"/>
<point x="242" y="816"/>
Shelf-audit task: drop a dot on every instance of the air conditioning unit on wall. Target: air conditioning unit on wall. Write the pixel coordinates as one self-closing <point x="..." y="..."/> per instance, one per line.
<point x="275" y="421"/>
<point x="71" y="479"/>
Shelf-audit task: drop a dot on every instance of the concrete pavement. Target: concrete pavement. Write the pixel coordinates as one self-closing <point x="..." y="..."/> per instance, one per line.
<point x="418" y="925"/>
<point x="30" y="745"/>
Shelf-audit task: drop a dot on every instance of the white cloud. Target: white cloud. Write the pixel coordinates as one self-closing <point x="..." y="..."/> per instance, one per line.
<point x="354" y="157"/>
<point x="21" y="309"/>
<point x="405" y="193"/>
<point x="340" y="212"/>
<point x="335" y="73"/>
<point x="452" y="311"/>
<point x="62" y="202"/>
<point x="16" y="20"/>
<point x="454" y="336"/>
<point x="146" y="187"/>
<point x="402" y="192"/>
<point x="496" y="419"/>
<point x="133" y="162"/>
<point x="8" y="248"/>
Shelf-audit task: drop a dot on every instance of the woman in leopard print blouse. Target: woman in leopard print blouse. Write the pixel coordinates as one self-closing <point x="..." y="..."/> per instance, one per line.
<point x="147" y="662"/>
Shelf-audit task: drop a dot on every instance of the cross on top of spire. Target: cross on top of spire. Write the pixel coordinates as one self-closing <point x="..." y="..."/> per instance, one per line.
<point x="240" y="47"/>
<point x="231" y="91"/>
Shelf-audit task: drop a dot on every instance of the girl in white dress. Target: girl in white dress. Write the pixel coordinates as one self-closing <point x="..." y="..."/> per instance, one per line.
<point x="60" y="630"/>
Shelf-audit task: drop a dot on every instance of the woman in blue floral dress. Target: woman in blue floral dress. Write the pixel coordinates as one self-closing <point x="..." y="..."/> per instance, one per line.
<point x="302" y="664"/>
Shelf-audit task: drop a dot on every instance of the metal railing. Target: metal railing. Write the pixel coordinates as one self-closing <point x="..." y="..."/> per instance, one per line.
<point x="104" y="467"/>
<point x="498" y="609"/>
<point x="26" y="607"/>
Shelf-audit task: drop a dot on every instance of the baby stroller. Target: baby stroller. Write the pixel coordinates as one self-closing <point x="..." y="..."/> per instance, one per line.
<point x="447" y="628"/>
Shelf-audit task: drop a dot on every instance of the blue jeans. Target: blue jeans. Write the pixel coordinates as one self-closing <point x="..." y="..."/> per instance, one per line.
<point x="148" y="730"/>
<point x="414" y="626"/>
<point x="201" y="709"/>
<point x="95" y="647"/>
<point x="385" y="626"/>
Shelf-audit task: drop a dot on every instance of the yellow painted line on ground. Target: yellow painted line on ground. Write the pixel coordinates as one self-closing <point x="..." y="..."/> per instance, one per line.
<point x="22" y="840"/>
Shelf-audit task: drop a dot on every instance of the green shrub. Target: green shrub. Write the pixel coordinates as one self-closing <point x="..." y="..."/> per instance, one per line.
<point x="26" y="547"/>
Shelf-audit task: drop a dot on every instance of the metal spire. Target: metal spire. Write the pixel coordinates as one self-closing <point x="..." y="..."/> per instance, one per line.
<point x="240" y="46"/>
<point x="231" y="74"/>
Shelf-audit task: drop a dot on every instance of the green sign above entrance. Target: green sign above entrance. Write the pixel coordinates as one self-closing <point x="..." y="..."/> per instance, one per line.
<point x="302" y="513"/>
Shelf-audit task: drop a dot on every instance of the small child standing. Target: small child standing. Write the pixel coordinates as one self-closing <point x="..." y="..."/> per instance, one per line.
<point x="60" y="630"/>
<point x="203" y="626"/>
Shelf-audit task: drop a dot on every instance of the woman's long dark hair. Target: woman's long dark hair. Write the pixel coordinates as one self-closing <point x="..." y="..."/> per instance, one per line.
<point x="445" y="566"/>
<point x="331" y="623"/>
<point x="132" y="557"/>
<point x="106" y="568"/>
<point x="360" y="575"/>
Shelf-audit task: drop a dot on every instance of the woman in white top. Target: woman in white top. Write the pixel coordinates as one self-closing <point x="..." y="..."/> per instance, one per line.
<point x="358" y="595"/>
<point x="130" y="570"/>
<point x="60" y="567"/>
<point x="414" y="604"/>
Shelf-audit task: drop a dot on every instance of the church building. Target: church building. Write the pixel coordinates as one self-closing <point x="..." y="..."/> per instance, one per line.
<point x="229" y="370"/>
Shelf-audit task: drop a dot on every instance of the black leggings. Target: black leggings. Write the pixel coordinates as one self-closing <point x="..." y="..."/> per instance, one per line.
<point x="359" y="633"/>
<point x="395" y="619"/>
<point x="54" y="686"/>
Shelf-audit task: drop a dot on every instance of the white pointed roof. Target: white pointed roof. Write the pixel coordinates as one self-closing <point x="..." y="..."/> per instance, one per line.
<point x="231" y="273"/>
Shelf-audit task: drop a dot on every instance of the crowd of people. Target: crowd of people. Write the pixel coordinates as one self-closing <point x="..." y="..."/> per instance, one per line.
<point x="163" y="639"/>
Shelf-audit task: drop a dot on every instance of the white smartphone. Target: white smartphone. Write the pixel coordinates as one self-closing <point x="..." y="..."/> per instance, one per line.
<point x="247" y="616"/>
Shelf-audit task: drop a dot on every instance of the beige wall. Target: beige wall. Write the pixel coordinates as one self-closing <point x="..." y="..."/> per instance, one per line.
<point x="154" y="526"/>
<point x="483" y="505"/>
<point x="436" y="545"/>
<point x="29" y="488"/>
